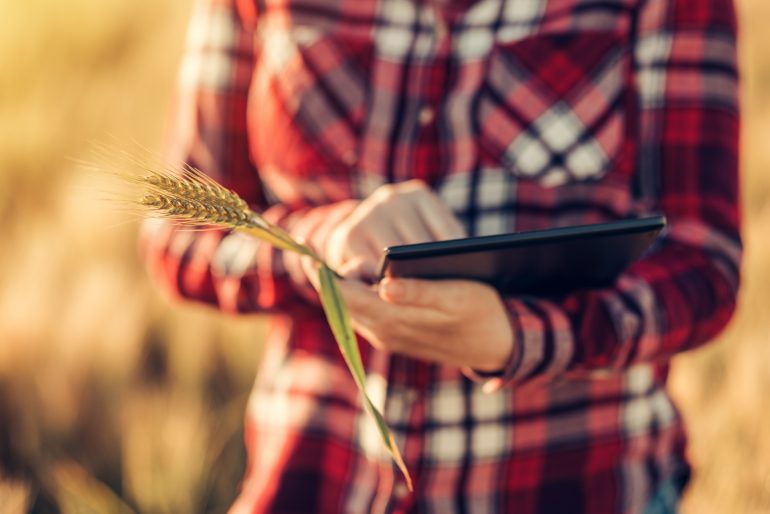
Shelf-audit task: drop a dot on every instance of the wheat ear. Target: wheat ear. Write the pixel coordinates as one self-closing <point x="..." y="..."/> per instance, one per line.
<point x="191" y="198"/>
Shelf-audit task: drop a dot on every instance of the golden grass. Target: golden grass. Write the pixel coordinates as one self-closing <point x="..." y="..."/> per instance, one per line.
<point x="111" y="396"/>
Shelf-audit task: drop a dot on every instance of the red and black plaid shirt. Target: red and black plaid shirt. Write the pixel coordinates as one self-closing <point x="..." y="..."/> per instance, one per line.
<point x="521" y="114"/>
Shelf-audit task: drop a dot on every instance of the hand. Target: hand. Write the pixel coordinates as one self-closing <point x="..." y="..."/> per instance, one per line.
<point x="403" y="213"/>
<point x="454" y="322"/>
<point x="314" y="232"/>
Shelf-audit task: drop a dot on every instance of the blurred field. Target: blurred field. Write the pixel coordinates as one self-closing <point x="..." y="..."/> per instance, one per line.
<point x="112" y="400"/>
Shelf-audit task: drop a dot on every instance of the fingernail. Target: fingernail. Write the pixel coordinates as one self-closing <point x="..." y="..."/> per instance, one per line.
<point x="491" y="385"/>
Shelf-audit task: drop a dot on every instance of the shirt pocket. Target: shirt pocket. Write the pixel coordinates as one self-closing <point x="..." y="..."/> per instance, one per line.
<point x="559" y="108"/>
<point x="308" y="100"/>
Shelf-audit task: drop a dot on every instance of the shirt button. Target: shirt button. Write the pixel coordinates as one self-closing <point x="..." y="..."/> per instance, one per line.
<point x="426" y="115"/>
<point x="400" y="491"/>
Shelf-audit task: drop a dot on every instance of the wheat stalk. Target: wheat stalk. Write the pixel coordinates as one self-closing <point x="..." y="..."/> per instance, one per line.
<point x="194" y="199"/>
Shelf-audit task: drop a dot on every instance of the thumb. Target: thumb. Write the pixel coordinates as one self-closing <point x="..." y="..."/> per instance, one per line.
<point x="408" y="291"/>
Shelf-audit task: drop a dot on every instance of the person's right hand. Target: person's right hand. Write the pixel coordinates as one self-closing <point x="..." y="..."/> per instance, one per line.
<point x="403" y="213"/>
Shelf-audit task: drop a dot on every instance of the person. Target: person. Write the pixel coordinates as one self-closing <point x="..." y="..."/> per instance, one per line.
<point x="360" y="124"/>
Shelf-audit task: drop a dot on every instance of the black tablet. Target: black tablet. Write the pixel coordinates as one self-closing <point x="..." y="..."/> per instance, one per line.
<point x="543" y="262"/>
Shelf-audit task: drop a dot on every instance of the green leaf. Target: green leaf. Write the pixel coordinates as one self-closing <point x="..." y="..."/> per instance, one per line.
<point x="339" y="320"/>
<point x="337" y="315"/>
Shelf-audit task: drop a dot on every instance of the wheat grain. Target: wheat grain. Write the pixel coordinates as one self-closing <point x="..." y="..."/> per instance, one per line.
<point x="194" y="189"/>
<point x="198" y="209"/>
<point x="192" y="199"/>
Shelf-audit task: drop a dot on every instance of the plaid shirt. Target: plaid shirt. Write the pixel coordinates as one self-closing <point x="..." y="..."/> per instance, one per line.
<point x="521" y="114"/>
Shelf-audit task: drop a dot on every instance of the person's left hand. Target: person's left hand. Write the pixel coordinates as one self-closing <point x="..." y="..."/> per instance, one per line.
<point x="454" y="322"/>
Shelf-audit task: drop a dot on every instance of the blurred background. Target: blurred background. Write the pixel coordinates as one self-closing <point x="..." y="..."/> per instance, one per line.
<point x="114" y="400"/>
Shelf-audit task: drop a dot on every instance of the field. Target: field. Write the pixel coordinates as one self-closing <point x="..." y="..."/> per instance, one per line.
<point x="114" y="400"/>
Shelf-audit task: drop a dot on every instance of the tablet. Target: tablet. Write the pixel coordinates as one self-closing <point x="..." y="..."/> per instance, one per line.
<point x="541" y="263"/>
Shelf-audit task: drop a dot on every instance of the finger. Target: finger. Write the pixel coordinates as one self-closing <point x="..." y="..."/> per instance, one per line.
<point x="360" y="298"/>
<point x="362" y="267"/>
<point x="439" y="219"/>
<point x="366" y="312"/>
<point x="391" y="217"/>
<point x="360" y="239"/>
<point x="386" y="326"/>
<point x="443" y="295"/>
<point x="310" y="267"/>
<point x="348" y="245"/>
<point x="368" y="249"/>
<point x="416" y="332"/>
<point x="410" y="225"/>
<point x="303" y="234"/>
<point x="367" y="308"/>
<point x="295" y="268"/>
<point x="358" y="269"/>
<point x="379" y="234"/>
<point x="400" y="291"/>
<point x="332" y="218"/>
<point x="405" y="208"/>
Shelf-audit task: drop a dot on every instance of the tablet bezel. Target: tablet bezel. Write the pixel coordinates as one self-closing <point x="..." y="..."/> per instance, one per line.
<point x="643" y="226"/>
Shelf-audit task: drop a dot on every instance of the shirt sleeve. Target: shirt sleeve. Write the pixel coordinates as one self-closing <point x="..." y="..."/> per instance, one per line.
<point x="209" y="131"/>
<point x="683" y="293"/>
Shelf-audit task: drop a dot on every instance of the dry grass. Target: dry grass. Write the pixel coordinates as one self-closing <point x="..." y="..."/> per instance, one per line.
<point x="112" y="399"/>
